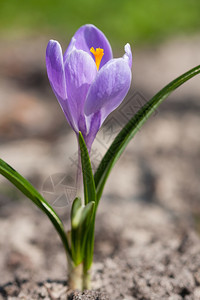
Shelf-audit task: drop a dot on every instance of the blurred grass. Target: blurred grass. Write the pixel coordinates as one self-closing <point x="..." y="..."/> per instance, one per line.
<point x="141" y="21"/>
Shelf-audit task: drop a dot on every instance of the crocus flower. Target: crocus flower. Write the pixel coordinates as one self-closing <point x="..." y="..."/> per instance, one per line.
<point x="87" y="81"/>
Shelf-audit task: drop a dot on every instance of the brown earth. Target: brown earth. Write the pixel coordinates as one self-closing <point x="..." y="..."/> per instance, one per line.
<point x="141" y="252"/>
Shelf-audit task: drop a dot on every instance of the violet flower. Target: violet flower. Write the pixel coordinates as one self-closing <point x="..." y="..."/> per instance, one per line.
<point x="88" y="83"/>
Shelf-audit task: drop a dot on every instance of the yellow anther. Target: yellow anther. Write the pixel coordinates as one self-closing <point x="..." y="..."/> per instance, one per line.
<point x="98" y="54"/>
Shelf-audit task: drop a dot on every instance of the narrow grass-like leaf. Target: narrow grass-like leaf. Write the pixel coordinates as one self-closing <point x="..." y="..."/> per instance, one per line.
<point x="89" y="246"/>
<point x="80" y="224"/>
<point x="75" y="206"/>
<point x="88" y="178"/>
<point x="28" y="190"/>
<point x="81" y="214"/>
<point x="90" y="195"/>
<point x="131" y="128"/>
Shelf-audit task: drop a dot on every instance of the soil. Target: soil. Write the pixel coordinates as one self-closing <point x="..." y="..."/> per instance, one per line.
<point x="146" y="254"/>
<point x="147" y="232"/>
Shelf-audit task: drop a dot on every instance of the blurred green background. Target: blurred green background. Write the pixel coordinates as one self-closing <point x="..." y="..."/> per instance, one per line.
<point x="128" y="20"/>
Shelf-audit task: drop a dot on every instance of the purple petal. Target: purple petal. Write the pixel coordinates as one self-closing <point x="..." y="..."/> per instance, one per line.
<point x="55" y="68"/>
<point x="94" y="125"/>
<point x="109" y="89"/>
<point x="56" y="75"/>
<point x="67" y="111"/>
<point x="89" y="36"/>
<point x="80" y="72"/>
<point x="128" y="54"/>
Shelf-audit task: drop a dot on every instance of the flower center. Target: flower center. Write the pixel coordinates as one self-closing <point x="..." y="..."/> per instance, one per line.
<point x="98" y="54"/>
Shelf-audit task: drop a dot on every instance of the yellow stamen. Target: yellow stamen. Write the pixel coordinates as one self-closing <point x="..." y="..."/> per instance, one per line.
<point x="98" y="54"/>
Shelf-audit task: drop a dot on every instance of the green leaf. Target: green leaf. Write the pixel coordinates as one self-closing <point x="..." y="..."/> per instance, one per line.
<point x="89" y="246"/>
<point x="80" y="224"/>
<point x="131" y="128"/>
<point x="81" y="214"/>
<point x="75" y="207"/>
<point x="88" y="178"/>
<point x="90" y="195"/>
<point x="27" y="189"/>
